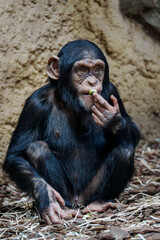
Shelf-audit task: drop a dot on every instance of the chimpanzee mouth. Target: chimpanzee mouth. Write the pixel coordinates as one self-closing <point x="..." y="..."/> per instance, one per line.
<point x="89" y="93"/>
<point x="85" y="94"/>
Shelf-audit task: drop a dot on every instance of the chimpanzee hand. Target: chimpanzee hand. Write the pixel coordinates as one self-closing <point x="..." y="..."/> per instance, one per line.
<point x="54" y="213"/>
<point x="103" y="112"/>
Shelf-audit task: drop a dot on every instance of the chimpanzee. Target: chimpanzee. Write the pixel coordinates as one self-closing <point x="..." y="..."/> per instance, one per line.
<point x="74" y="142"/>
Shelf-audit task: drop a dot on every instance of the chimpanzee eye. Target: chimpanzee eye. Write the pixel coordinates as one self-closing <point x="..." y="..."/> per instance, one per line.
<point x="83" y="70"/>
<point x="97" y="70"/>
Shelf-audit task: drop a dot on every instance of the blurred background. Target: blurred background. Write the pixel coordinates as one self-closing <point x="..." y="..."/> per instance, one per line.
<point x="127" y="31"/>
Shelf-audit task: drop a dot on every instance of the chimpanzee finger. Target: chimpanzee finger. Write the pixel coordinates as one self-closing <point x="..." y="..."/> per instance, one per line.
<point x="76" y="213"/>
<point x="65" y="214"/>
<point x="59" y="198"/>
<point x="104" y="111"/>
<point x="69" y="214"/>
<point x="115" y="102"/>
<point x="99" y="115"/>
<point x="46" y="219"/>
<point x="97" y="121"/>
<point x="86" y="210"/>
<point x="54" y="218"/>
<point x="51" y="213"/>
<point x="99" y="99"/>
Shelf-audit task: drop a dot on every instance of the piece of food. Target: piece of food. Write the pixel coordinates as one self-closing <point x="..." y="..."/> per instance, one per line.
<point x="92" y="91"/>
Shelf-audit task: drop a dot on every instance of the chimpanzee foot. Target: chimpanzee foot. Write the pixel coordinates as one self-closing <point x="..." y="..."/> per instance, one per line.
<point x="99" y="207"/>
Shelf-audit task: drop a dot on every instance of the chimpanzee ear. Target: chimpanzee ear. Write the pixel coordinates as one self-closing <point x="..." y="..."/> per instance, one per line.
<point x="53" y="68"/>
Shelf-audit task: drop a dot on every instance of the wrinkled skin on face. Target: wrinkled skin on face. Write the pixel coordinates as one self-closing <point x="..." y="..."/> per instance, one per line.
<point x="88" y="74"/>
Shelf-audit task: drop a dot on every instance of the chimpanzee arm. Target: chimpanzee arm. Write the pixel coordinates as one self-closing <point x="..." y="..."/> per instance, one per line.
<point x="119" y="162"/>
<point x="122" y="151"/>
<point x="122" y="136"/>
<point x="127" y="129"/>
<point x="29" y="132"/>
<point x="20" y="170"/>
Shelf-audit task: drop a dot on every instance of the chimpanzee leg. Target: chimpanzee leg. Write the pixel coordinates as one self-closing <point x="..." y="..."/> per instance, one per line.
<point x="44" y="161"/>
<point x="113" y="175"/>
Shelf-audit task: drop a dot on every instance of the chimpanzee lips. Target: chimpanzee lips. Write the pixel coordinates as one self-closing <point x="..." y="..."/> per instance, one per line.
<point x="85" y="93"/>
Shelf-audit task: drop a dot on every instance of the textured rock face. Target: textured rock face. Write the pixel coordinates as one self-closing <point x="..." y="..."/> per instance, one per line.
<point x="31" y="31"/>
<point x="147" y="11"/>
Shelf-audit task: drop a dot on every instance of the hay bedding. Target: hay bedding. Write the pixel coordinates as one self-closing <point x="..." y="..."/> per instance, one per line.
<point x="138" y="218"/>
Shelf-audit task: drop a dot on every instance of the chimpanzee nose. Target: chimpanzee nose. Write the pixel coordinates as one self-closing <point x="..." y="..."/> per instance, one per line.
<point x="92" y="81"/>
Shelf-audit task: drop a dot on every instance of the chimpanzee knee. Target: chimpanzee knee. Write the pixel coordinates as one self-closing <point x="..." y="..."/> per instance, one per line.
<point x="36" y="153"/>
<point x="43" y="160"/>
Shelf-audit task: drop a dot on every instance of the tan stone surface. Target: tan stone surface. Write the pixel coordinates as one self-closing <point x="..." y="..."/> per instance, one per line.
<point x="31" y="31"/>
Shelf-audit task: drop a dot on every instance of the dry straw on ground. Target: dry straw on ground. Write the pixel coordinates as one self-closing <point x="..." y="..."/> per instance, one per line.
<point x="138" y="217"/>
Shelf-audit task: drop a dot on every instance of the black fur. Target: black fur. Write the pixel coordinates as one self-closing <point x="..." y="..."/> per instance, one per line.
<point x="75" y="146"/>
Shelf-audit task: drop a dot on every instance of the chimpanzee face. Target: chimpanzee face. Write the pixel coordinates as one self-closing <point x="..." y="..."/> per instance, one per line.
<point x="88" y="74"/>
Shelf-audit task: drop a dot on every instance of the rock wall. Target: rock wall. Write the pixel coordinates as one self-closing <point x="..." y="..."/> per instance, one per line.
<point x="31" y="31"/>
<point x="147" y="12"/>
